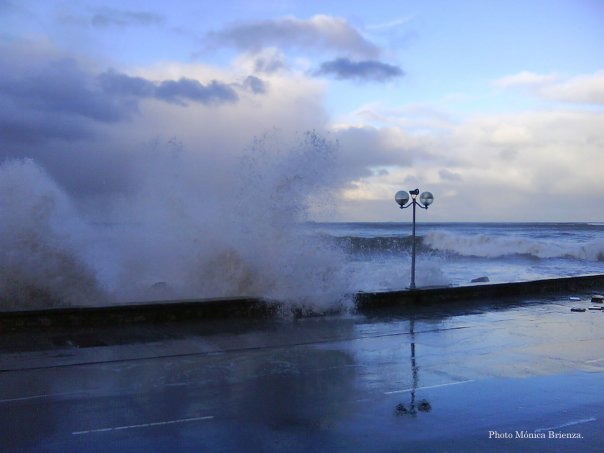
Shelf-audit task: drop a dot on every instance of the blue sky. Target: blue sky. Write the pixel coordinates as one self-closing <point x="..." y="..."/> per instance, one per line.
<point x="471" y="100"/>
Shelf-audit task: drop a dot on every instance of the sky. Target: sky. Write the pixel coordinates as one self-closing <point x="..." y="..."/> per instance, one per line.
<point x="496" y="107"/>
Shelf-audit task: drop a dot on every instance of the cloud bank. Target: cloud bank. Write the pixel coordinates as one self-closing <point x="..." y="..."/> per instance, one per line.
<point x="581" y="89"/>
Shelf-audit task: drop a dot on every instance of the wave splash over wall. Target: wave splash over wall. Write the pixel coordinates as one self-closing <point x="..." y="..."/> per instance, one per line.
<point x="43" y="258"/>
<point x="179" y="234"/>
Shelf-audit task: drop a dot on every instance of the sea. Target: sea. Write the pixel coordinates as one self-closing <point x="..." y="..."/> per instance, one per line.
<point x="379" y="254"/>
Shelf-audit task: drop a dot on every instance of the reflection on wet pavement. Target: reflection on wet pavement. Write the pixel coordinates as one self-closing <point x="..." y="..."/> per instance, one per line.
<point x="428" y="379"/>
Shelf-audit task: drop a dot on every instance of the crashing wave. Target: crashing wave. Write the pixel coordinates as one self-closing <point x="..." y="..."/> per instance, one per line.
<point x="489" y="246"/>
<point x="43" y="259"/>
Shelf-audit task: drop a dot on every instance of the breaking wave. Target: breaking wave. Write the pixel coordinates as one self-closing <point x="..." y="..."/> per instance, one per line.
<point x="43" y="258"/>
<point x="481" y="245"/>
<point x="178" y="235"/>
<point x="489" y="246"/>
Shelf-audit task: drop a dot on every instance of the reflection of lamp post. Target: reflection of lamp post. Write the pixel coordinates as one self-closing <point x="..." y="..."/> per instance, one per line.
<point x="424" y="405"/>
<point x="425" y="200"/>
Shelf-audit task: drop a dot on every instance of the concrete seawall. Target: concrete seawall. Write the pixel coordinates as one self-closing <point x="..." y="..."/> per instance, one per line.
<point x="479" y="291"/>
<point x="187" y="310"/>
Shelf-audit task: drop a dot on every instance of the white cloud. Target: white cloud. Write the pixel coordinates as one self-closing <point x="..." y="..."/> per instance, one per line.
<point x="494" y="167"/>
<point x="395" y="23"/>
<point x="524" y="78"/>
<point x="588" y="89"/>
<point x="419" y="119"/>
<point x="582" y="89"/>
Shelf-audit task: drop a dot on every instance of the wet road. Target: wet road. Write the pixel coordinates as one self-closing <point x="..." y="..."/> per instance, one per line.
<point x="456" y="381"/>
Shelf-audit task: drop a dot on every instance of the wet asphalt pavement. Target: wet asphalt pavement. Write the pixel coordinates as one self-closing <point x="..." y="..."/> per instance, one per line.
<point x="526" y="377"/>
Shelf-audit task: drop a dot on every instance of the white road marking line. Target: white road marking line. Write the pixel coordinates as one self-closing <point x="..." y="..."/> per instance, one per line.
<point x="142" y="425"/>
<point x="175" y="384"/>
<point x="33" y="397"/>
<point x="428" y="387"/>
<point x="564" y="425"/>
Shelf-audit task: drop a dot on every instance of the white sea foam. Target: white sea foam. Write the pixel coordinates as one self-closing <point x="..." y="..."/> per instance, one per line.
<point x="177" y="234"/>
<point x="492" y="246"/>
<point x="394" y="273"/>
<point x="43" y="243"/>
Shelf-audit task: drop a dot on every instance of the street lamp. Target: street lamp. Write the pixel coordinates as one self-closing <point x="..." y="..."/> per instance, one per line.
<point x="425" y="200"/>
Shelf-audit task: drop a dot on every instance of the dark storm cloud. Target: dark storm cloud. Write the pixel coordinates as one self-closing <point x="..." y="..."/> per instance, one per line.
<point x="318" y="32"/>
<point x="31" y="128"/>
<point x="268" y="65"/>
<point x="178" y="91"/>
<point x="255" y="85"/>
<point x="110" y="17"/>
<point x="60" y="86"/>
<point x="48" y="97"/>
<point x="368" y="70"/>
<point x="112" y="82"/>
<point x="173" y="91"/>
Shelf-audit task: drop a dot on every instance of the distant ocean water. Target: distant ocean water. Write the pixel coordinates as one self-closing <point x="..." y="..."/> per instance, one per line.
<point x="379" y="254"/>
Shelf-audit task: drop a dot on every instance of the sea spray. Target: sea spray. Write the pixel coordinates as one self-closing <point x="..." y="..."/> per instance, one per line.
<point x="42" y="259"/>
<point x="190" y="240"/>
<point x="281" y="183"/>
<point x="177" y="234"/>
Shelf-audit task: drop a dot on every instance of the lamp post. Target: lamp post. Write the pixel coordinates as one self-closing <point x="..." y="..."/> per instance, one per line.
<point x="425" y="200"/>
